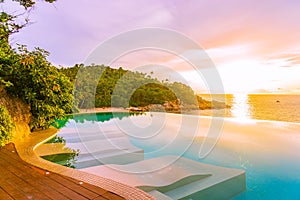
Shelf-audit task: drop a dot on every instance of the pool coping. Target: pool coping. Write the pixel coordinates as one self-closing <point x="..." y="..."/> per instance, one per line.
<point x="26" y="147"/>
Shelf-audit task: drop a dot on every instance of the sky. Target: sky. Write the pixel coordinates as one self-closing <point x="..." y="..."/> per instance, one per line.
<point x="254" y="45"/>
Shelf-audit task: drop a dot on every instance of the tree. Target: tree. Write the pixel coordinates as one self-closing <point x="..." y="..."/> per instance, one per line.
<point x="42" y="86"/>
<point x="28" y="3"/>
<point x="124" y="88"/>
<point x="28" y="75"/>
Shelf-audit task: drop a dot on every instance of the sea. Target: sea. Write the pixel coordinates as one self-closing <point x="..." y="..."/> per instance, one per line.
<point x="277" y="107"/>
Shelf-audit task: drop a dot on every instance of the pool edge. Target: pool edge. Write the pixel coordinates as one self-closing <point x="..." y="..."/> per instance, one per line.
<point x="26" y="147"/>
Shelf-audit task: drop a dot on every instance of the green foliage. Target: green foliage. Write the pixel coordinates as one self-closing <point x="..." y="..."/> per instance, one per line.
<point x="10" y="23"/>
<point x="152" y="93"/>
<point x="122" y="87"/>
<point x="205" y="104"/>
<point x="99" y="86"/>
<point x="57" y="139"/>
<point x="183" y="92"/>
<point x="6" y="126"/>
<point x="7" y="55"/>
<point x="28" y="3"/>
<point x="42" y="86"/>
<point x="28" y="74"/>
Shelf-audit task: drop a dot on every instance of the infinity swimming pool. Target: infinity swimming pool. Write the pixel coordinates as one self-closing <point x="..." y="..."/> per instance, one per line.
<point x="267" y="150"/>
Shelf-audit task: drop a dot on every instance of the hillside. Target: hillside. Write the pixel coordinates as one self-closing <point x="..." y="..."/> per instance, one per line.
<point x="103" y="86"/>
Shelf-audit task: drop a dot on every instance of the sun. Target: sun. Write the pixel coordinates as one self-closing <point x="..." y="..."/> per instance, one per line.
<point x="245" y="76"/>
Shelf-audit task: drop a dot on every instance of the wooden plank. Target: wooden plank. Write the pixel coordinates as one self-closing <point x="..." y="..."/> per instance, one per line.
<point x="11" y="189"/>
<point x="100" y="198"/>
<point x="112" y="196"/>
<point x="20" y="180"/>
<point x="5" y="195"/>
<point x="73" y="186"/>
<point x="14" y="155"/>
<point x="35" y="181"/>
<point x="9" y="147"/>
<point x="20" y="184"/>
<point x="70" y="194"/>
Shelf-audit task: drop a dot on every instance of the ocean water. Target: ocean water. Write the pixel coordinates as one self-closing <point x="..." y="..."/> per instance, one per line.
<point x="277" y="107"/>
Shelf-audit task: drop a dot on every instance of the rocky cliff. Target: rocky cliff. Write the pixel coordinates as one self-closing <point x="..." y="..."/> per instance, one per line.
<point x="178" y="107"/>
<point x="20" y="113"/>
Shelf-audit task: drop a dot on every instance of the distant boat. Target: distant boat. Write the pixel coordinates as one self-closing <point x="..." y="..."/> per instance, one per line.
<point x="278" y="101"/>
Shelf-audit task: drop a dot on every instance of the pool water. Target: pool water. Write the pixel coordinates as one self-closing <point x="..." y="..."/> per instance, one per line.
<point x="267" y="151"/>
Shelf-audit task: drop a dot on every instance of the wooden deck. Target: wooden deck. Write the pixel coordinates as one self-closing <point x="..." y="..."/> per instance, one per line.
<point x="20" y="180"/>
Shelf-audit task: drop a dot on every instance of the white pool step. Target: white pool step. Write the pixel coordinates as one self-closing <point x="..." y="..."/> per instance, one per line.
<point x="97" y="136"/>
<point x="181" y="179"/>
<point x="87" y="147"/>
<point x="112" y="156"/>
<point x="85" y="132"/>
<point x="110" y="150"/>
<point x="106" y="151"/>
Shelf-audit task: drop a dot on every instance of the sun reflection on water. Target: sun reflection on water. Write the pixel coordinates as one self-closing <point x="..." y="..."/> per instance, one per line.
<point x="240" y="108"/>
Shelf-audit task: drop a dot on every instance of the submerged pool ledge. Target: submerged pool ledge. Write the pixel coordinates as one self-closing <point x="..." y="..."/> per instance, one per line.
<point x="26" y="147"/>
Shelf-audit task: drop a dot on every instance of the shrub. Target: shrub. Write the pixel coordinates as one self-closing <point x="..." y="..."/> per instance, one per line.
<point x="6" y="126"/>
<point x="30" y="76"/>
<point x="42" y="86"/>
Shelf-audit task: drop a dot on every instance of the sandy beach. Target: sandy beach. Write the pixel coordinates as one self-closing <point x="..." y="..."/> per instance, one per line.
<point x="107" y="109"/>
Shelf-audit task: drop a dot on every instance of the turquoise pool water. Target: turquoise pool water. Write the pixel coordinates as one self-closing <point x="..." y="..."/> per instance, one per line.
<point x="267" y="151"/>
